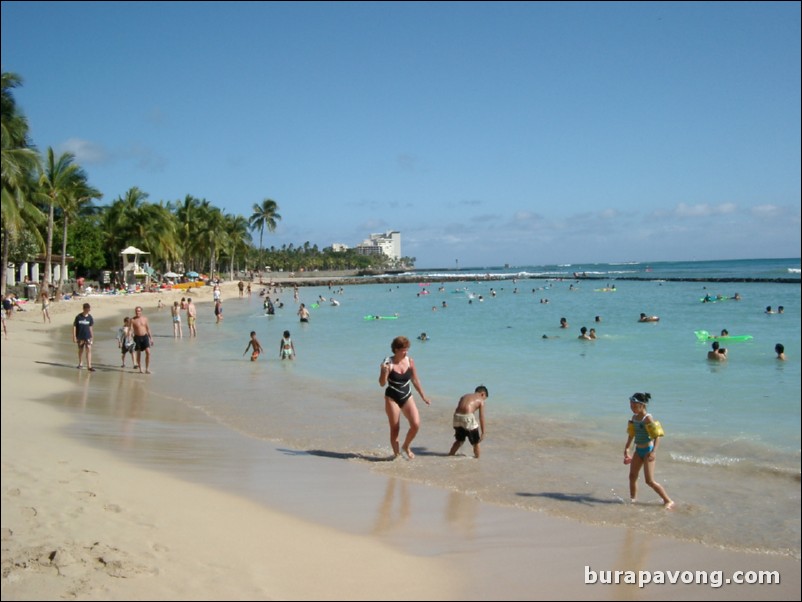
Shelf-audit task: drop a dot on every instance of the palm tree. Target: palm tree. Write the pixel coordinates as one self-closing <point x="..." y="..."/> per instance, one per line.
<point x="213" y="236"/>
<point x="238" y="237"/>
<point x="155" y="231"/>
<point x="56" y="179"/>
<point x="76" y="200"/>
<point x="187" y="214"/>
<point x="119" y="223"/>
<point x="19" y="161"/>
<point x="264" y="216"/>
<point x="131" y="220"/>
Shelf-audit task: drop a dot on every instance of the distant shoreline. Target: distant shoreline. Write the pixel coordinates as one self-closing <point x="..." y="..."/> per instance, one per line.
<point x="351" y="278"/>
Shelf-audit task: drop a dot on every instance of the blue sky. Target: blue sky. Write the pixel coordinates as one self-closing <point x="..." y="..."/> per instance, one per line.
<point x="486" y="133"/>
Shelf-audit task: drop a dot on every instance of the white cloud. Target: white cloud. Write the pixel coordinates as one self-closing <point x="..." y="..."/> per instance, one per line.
<point x="609" y="214"/>
<point x="527" y="216"/>
<point x="486" y="218"/>
<point x="86" y="152"/>
<point x="704" y="209"/>
<point x="92" y="153"/>
<point x="766" y="211"/>
<point x="373" y="225"/>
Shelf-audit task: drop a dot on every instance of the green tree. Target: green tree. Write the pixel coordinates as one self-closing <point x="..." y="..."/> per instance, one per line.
<point x="57" y="178"/>
<point x="78" y="198"/>
<point x="187" y="213"/>
<point x="120" y="223"/>
<point x="212" y="236"/>
<point x="264" y="216"/>
<point x="88" y="243"/>
<point x="238" y="239"/>
<point x="19" y="162"/>
<point x="24" y="247"/>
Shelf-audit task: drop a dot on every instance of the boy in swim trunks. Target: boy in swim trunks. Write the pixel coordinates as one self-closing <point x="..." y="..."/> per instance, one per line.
<point x="253" y="343"/>
<point x="465" y="425"/>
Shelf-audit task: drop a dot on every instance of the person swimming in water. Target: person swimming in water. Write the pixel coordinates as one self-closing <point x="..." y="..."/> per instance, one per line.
<point x="717" y="353"/>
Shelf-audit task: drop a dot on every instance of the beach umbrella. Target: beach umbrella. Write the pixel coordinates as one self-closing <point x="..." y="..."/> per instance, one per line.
<point x="171" y="275"/>
<point x="192" y="274"/>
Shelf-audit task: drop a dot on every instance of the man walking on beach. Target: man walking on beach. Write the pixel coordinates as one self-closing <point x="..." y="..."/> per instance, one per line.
<point x="82" y="334"/>
<point x="142" y="338"/>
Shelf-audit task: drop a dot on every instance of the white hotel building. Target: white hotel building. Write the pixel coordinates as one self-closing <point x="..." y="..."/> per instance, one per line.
<point x="388" y="243"/>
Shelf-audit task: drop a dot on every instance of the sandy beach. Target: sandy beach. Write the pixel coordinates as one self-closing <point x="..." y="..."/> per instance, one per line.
<point x="81" y="522"/>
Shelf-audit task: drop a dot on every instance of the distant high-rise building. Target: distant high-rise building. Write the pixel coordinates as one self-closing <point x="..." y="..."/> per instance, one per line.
<point x="387" y="243"/>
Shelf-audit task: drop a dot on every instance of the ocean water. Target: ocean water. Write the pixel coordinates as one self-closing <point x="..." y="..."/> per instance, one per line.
<point x="558" y="406"/>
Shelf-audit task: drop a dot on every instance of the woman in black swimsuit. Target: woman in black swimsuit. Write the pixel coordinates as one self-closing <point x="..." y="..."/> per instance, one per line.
<point x="396" y="374"/>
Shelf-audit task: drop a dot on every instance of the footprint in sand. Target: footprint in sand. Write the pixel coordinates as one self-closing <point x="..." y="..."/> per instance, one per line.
<point x="117" y="563"/>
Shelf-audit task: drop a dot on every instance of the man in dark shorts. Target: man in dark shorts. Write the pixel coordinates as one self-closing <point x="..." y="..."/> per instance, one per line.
<point x="82" y="334"/>
<point x="465" y="425"/>
<point x="142" y="338"/>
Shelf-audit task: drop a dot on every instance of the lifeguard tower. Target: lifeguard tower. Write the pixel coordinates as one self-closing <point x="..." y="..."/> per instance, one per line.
<point x="134" y="270"/>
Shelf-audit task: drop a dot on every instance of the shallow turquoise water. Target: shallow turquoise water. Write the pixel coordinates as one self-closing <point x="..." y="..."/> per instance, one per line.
<point x="558" y="406"/>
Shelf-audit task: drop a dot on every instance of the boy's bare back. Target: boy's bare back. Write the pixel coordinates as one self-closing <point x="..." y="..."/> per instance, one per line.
<point x="469" y="403"/>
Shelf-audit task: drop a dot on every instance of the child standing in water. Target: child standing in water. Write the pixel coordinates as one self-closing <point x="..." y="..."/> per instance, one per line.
<point x="175" y="311"/>
<point x="125" y="341"/>
<point x="465" y="425"/>
<point x="286" y="348"/>
<point x="646" y="433"/>
<point x="253" y="343"/>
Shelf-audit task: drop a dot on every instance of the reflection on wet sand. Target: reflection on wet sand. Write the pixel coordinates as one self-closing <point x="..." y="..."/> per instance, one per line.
<point x="388" y="518"/>
<point x="461" y="512"/>
<point x="632" y="556"/>
<point x="131" y="396"/>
